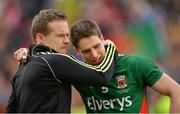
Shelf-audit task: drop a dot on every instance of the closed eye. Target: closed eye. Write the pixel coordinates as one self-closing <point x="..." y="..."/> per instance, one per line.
<point x="86" y="51"/>
<point x="97" y="46"/>
<point x="63" y="35"/>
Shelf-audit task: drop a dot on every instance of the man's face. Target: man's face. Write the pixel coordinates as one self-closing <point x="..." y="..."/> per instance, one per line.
<point x="92" y="49"/>
<point x="58" y="38"/>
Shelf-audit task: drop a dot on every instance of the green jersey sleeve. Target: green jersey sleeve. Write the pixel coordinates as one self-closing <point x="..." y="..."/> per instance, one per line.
<point x="147" y="71"/>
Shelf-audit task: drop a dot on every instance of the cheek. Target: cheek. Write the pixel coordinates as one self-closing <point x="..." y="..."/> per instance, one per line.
<point x="56" y="43"/>
<point x="85" y="56"/>
<point x="102" y="51"/>
<point x="51" y="43"/>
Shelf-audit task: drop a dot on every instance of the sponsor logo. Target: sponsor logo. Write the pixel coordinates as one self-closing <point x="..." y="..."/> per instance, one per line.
<point x="107" y="104"/>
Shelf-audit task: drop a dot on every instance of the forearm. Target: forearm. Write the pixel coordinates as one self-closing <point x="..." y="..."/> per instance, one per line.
<point x="169" y="87"/>
<point x="175" y="101"/>
<point x="68" y="69"/>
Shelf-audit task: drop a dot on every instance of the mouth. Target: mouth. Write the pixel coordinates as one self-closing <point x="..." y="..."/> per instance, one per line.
<point x="97" y="61"/>
<point x="64" y="48"/>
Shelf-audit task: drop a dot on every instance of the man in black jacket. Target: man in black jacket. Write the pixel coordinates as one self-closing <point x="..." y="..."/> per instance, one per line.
<point x="43" y="84"/>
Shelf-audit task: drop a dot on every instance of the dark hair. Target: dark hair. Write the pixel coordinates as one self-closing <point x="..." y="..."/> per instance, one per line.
<point x="41" y="20"/>
<point x="82" y="29"/>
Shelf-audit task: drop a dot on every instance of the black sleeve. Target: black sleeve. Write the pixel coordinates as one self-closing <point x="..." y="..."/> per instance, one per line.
<point x="69" y="70"/>
<point x="12" y="103"/>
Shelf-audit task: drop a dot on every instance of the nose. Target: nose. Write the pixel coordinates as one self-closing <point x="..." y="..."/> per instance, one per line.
<point x="94" y="53"/>
<point x="66" y="39"/>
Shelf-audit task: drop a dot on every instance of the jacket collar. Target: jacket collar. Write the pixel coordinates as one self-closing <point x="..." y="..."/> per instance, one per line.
<point x="35" y="48"/>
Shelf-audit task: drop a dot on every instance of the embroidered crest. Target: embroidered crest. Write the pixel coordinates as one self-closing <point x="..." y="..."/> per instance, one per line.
<point x="121" y="81"/>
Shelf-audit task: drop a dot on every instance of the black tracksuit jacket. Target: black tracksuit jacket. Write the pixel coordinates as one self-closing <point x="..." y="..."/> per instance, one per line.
<point x="43" y="83"/>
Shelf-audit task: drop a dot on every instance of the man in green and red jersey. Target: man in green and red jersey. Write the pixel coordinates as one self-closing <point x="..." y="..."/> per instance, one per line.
<point x="126" y="91"/>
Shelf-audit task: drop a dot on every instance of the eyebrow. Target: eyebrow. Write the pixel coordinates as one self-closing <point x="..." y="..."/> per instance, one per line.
<point x="63" y="34"/>
<point x="90" y="49"/>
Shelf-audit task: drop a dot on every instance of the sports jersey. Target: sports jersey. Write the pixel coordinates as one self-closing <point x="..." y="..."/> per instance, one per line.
<point x="126" y="91"/>
<point x="43" y="84"/>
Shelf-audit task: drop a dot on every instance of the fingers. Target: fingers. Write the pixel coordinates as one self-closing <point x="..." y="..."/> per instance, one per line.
<point x="24" y="53"/>
<point x="106" y="42"/>
<point x="16" y="54"/>
<point x="21" y="54"/>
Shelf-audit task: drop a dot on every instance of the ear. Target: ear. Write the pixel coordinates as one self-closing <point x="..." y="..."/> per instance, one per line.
<point x="40" y="38"/>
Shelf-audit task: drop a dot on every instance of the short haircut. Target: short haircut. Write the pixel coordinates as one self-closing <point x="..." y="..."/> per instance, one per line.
<point x="41" y="20"/>
<point x="82" y="29"/>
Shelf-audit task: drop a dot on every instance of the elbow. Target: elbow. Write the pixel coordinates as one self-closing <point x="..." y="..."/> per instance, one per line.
<point x="175" y="92"/>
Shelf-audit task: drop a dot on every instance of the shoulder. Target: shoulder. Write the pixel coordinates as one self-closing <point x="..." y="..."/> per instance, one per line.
<point x="55" y="56"/>
<point x="133" y="59"/>
<point x="136" y="62"/>
<point x="62" y="57"/>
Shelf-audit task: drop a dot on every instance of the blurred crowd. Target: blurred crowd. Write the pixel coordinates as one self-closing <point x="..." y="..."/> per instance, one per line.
<point x="145" y="27"/>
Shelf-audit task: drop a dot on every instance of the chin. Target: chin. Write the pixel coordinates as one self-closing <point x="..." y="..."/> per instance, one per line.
<point x="95" y="63"/>
<point x="63" y="52"/>
<point x="91" y="63"/>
